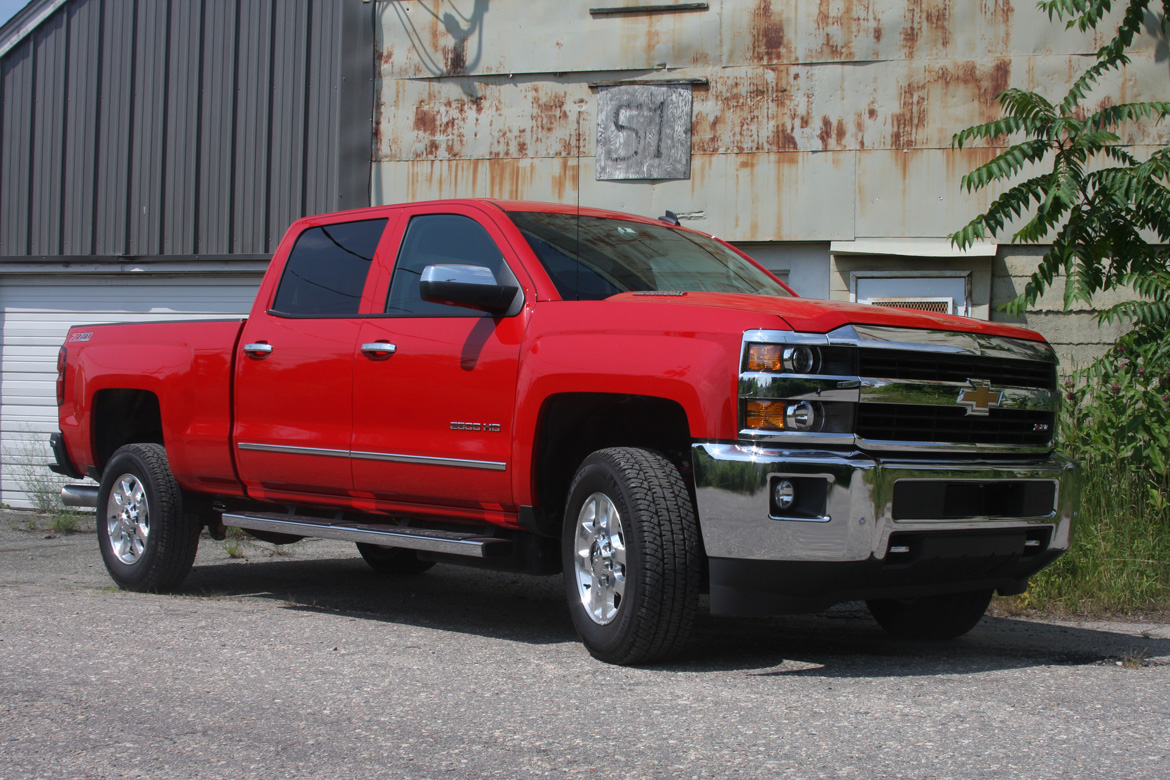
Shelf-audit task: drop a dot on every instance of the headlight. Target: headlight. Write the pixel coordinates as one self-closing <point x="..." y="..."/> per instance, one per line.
<point x="782" y="358"/>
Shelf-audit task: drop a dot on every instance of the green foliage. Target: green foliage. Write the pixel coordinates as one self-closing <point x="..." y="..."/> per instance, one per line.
<point x="1089" y="197"/>
<point x="1119" y="561"/>
<point x="1096" y="204"/>
<point x="1116" y="419"/>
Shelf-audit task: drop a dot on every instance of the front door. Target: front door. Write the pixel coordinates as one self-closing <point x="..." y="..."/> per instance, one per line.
<point x="435" y="385"/>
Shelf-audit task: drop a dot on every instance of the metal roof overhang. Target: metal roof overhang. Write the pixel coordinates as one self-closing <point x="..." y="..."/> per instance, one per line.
<point x="911" y="247"/>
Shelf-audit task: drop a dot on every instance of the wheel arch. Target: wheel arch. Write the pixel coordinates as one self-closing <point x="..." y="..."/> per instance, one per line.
<point x="573" y="425"/>
<point x="124" y="416"/>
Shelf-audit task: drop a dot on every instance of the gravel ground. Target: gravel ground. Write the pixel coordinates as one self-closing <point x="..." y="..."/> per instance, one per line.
<point x="307" y="664"/>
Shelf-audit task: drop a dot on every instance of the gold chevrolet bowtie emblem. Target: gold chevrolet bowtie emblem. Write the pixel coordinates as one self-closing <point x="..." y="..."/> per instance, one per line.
<point x="979" y="398"/>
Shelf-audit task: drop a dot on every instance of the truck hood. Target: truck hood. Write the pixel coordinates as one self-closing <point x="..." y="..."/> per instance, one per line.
<point x="811" y="315"/>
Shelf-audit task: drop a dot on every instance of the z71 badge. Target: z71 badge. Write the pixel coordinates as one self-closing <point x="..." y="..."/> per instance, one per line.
<point x="466" y="426"/>
<point x="86" y="336"/>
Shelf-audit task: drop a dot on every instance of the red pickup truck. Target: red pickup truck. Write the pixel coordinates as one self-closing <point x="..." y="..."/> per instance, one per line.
<point x="549" y="389"/>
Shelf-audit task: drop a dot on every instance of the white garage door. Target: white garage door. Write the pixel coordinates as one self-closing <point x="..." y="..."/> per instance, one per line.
<point x="35" y="313"/>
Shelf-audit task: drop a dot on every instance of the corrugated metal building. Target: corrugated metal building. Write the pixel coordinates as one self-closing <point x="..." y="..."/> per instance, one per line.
<point x="152" y="151"/>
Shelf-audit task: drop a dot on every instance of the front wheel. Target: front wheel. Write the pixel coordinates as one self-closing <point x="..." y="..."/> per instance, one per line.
<point x="631" y="556"/>
<point x="147" y="541"/>
<point x="931" y="617"/>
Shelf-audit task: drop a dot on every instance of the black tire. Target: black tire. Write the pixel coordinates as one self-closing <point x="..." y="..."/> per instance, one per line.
<point x="393" y="561"/>
<point x="931" y="617"/>
<point x="147" y="541"/>
<point x="660" y="560"/>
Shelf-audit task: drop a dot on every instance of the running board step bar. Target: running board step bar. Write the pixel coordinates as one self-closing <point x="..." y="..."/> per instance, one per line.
<point x="424" y="539"/>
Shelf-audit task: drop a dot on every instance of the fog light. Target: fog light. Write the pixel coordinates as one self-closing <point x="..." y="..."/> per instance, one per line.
<point x="801" y="416"/>
<point x="784" y="494"/>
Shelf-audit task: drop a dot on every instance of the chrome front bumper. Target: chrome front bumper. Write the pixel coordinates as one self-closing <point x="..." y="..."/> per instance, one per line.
<point x="852" y="546"/>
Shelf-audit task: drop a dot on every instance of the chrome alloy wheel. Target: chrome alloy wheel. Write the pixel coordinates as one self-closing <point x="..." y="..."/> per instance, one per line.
<point x="600" y="558"/>
<point x="128" y="519"/>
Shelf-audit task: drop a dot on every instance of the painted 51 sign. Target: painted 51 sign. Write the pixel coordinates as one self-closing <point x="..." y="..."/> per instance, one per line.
<point x="644" y="132"/>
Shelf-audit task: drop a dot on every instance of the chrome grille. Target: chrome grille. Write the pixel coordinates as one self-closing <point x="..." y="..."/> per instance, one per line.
<point x="933" y="367"/>
<point x="888" y="389"/>
<point x="909" y="423"/>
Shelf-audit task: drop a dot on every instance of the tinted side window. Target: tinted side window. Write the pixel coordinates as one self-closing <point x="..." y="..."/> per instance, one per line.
<point x="435" y="239"/>
<point x="327" y="269"/>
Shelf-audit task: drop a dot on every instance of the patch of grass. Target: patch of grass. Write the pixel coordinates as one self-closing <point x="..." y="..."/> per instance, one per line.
<point x="234" y="548"/>
<point x="1134" y="659"/>
<point x="64" y="522"/>
<point x="1119" y="560"/>
<point x="27" y="458"/>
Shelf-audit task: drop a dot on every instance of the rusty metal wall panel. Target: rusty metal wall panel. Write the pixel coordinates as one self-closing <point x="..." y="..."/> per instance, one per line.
<point x="440" y="38"/>
<point x="787" y="32"/>
<point x="455" y="118"/>
<point x="728" y="194"/>
<point x="932" y="207"/>
<point x="882" y="85"/>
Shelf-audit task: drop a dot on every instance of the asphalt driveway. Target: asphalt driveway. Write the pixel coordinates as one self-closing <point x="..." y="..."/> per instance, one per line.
<point x="308" y="664"/>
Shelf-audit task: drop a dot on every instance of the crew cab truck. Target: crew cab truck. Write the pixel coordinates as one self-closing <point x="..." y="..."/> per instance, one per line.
<point x="550" y="389"/>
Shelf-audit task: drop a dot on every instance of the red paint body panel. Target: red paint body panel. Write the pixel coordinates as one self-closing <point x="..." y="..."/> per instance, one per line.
<point x="187" y="365"/>
<point x="415" y="432"/>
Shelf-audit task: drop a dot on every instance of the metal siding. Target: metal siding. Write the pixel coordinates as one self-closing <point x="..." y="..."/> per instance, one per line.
<point x="35" y="313"/>
<point x="113" y="126"/>
<point x="320" y="109"/>
<point x="253" y="106"/>
<point x="149" y="140"/>
<point x="184" y="99"/>
<point x="217" y="125"/>
<point x="355" y="103"/>
<point x="80" y="153"/>
<point x="16" y="149"/>
<point x="286" y="184"/>
<point x="49" y="50"/>
<point x="177" y="127"/>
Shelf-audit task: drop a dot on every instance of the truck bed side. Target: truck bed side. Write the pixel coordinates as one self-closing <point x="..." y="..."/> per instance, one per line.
<point x="168" y="382"/>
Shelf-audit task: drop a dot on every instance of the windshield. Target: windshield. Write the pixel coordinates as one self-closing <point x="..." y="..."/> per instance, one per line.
<point x="617" y="255"/>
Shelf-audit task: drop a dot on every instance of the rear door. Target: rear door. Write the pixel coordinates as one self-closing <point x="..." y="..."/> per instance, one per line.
<point x="435" y="387"/>
<point x="294" y="375"/>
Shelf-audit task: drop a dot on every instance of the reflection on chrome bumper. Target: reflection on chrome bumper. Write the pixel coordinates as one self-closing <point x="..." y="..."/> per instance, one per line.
<point x="739" y="522"/>
<point x="871" y="528"/>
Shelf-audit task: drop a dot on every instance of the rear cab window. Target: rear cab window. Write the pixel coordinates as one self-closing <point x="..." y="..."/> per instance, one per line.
<point x="327" y="269"/>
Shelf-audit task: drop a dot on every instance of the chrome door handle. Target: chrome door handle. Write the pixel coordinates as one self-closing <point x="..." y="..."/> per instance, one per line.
<point x="257" y="350"/>
<point x="378" y="350"/>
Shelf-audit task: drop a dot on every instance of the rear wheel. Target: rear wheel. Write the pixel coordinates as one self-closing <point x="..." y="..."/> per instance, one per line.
<point x="631" y="556"/>
<point x="147" y="541"/>
<point x="931" y="617"/>
<point x="392" y="561"/>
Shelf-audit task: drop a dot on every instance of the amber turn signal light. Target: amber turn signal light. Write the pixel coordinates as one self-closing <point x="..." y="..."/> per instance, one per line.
<point x="765" y="415"/>
<point x="765" y="357"/>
